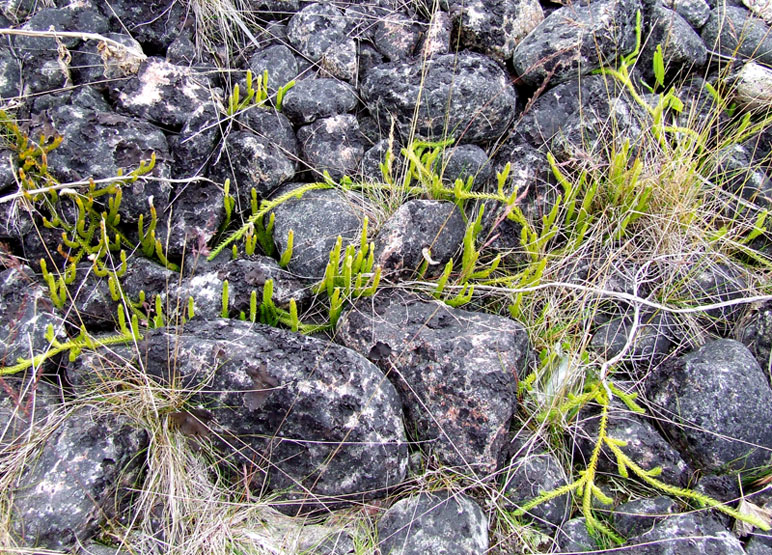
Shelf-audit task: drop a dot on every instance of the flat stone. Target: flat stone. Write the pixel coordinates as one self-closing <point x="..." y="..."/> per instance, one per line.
<point x="715" y="405"/>
<point x="449" y="88"/>
<point x="437" y="522"/>
<point x="455" y="370"/>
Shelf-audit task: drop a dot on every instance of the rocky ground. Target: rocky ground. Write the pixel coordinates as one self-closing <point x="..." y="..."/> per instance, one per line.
<point x="464" y="276"/>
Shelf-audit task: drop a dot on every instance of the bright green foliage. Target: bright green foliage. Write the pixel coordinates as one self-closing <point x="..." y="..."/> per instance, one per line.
<point x="287" y="254"/>
<point x="352" y="271"/>
<point x="256" y="94"/>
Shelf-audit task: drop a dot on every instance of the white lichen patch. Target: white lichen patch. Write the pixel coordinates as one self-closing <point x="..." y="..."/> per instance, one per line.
<point x="155" y="76"/>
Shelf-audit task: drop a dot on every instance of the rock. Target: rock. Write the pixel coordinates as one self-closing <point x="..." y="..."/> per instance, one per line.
<point x="154" y="24"/>
<point x="760" y="8"/>
<point x="495" y="27"/>
<point x="26" y="312"/>
<point x="455" y="370"/>
<point x="465" y="161"/>
<point x="373" y="158"/>
<point x="272" y="126"/>
<point x="753" y="86"/>
<point x="576" y="39"/>
<point x="715" y="404"/>
<point x="78" y="481"/>
<point x="162" y="93"/>
<point x="759" y="544"/>
<point x="395" y="35"/>
<point x="317" y="423"/>
<point x="10" y="74"/>
<point x="687" y="534"/>
<point x="450" y="93"/>
<point x="530" y="474"/>
<point x="437" y="522"/>
<point x="641" y="515"/>
<point x="645" y="446"/>
<point x="333" y="144"/>
<point x="573" y="537"/>
<point x="755" y="332"/>
<point x="316" y="219"/>
<point x="311" y="99"/>
<point x="317" y="540"/>
<point x="113" y="142"/>
<point x="696" y="12"/>
<point x="340" y="61"/>
<point x="316" y="29"/>
<point x="416" y="226"/>
<point x="437" y="37"/>
<point x="683" y="51"/>
<point x="25" y="409"/>
<point x="278" y="61"/>
<point x="736" y="173"/>
<point x="252" y="162"/>
<point x="734" y="31"/>
<point x="724" y="488"/>
<point x="654" y="337"/>
<point x="244" y="275"/>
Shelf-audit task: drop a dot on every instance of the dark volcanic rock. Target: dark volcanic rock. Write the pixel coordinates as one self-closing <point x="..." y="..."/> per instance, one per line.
<point x="696" y="12"/>
<point x="317" y="28"/>
<point x="695" y="533"/>
<point x="311" y="99"/>
<point x="415" y="226"/>
<point x="465" y="161"/>
<point x="76" y="483"/>
<point x="155" y="24"/>
<point x="734" y="31"/>
<point x="273" y="126"/>
<point x="655" y="335"/>
<point x="530" y="474"/>
<point x="316" y="220"/>
<point x="333" y="144"/>
<point x="495" y="26"/>
<point x="455" y="370"/>
<point x="575" y="40"/>
<point x="278" y="61"/>
<point x="24" y="409"/>
<point x="112" y="142"/>
<point x="244" y="275"/>
<point x="639" y="516"/>
<point x="10" y="74"/>
<point x="466" y="96"/>
<point x="573" y="537"/>
<point x="25" y="313"/>
<point x="437" y="522"/>
<point x="644" y="444"/>
<point x="252" y="161"/>
<point x="162" y="93"/>
<point x="755" y="332"/>
<point x="318" y="423"/>
<point x="716" y="404"/>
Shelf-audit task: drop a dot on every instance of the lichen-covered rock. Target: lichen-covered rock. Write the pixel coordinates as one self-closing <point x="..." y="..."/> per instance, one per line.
<point x="417" y="230"/>
<point x="273" y="126"/>
<point x="733" y="31"/>
<point x="396" y="35"/>
<point x="466" y="96"/>
<point x="437" y="522"/>
<point x="715" y="404"/>
<point x="736" y="173"/>
<point x="26" y="311"/>
<point x="573" y="537"/>
<point x="644" y="444"/>
<point x="77" y="481"/>
<point x="333" y="144"/>
<point x="162" y="93"/>
<point x="493" y="26"/>
<point x="753" y="87"/>
<point x="755" y="332"/>
<point x="455" y="370"/>
<point x="696" y="12"/>
<point x="316" y="220"/>
<point x="528" y="475"/>
<point x="278" y="61"/>
<point x="244" y="275"/>
<point x="311" y="99"/>
<point x="641" y="515"/>
<point x="317" y="28"/>
<point x="437" y="36"/>
<point x="112" y="142"/>
<point x="10" y="74"/>
<point x="252" y="162"/>
<point x="576" y="39"/>
<point x="694" y="533"/>
<point x="317" y="423"/>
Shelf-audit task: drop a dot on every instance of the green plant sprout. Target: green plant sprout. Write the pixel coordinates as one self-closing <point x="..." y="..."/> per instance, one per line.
<point x="256" y="94"/>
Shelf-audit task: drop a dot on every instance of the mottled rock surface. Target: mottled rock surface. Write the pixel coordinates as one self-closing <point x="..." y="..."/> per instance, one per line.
<point x="641" y="515"/>
<point x="715" y="403"/>
<point x="450" y="93"/>
<point x="688" y="534"/>
<point x="83" y="470"/>
<point x="312" y="99"/>
<point x="335" y="145"/>
<point x="438" y="522"/>
<point x="734" y="31"/>
<point x="455" y="370"/>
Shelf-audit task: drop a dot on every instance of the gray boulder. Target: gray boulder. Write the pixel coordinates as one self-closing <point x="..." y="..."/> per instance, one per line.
<point x="311" y="99"/>
<point x="466" y="96"/>
<point x="437" y="522"/>
<point x="641" y="515"/>
<point x="456" y="371"/>
<point x="77" y="482"/>
<point x="334" y="144"/>
<point x="576" y="39"/>
<point x="686" y="534"/>
<point x="715" y="404"/>
<point x="734" y="31"/>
